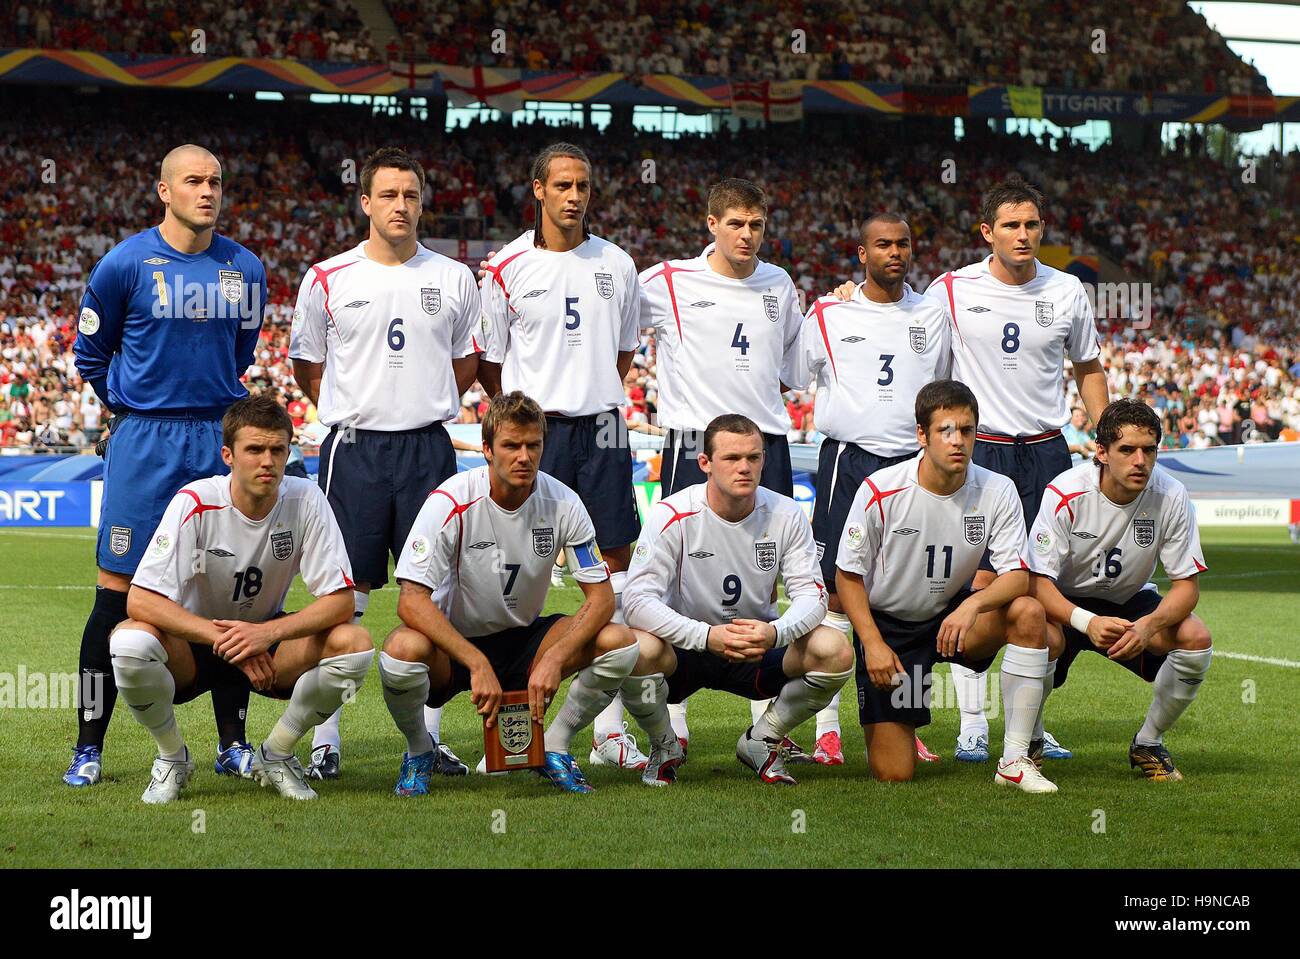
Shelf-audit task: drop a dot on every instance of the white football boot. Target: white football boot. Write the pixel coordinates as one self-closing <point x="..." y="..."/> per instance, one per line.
<point x="1024" y="775"/>
<point x="168" y="778"/>
<point x="286" y="775"/>
<point x="618" y="749"/>
<point x="666" y="758"/>
<point x="764" y="758"/>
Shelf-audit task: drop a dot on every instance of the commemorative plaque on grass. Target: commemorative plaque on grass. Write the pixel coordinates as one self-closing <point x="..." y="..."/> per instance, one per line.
<point x="516" y="742"/>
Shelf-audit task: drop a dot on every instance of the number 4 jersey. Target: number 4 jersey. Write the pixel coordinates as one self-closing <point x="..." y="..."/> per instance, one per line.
<point x="387" y="336"/>
<point x="217" y="563"/>
<point x="915" y="550"/>
<point x="489" y="568"/>
<point x="1093" y="547"/>
<point x="692" y="569"/>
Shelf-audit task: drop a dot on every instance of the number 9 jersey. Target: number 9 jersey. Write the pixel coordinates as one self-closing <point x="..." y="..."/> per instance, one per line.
<point x="217" y="563"/>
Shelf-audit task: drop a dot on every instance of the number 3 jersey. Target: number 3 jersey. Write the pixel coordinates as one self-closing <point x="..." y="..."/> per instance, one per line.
<point x="387" y="336"/>
<point x="916" y="550"/>
<point x="692" y="569"/>
<point x="489" y="568"/>
<point x="1094" y="547"/>
<point x="217" y="563"/>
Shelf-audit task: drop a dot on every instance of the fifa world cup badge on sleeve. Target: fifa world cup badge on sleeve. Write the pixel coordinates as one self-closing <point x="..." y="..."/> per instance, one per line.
<point x="516" y="742"/>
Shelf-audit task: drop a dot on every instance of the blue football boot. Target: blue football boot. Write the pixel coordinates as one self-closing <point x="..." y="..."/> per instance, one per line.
<point x="235" y="760"/>
<point x="972" y="748"/>
<point x="85" y="768"/>
<point x="413" y="780"/>
<point x="562" y="770"/>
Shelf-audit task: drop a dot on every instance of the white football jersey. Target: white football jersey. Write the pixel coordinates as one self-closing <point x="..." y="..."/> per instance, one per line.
<point x="1009" y="343"/>
<point x="217" y="563"/>
<point x="489" y="568"/>
<point x="692" y="569"/>
<point x="387" y="336"/>
<point x="1093" y="547"/>
<point x="557" y="322"/>
<point x="722" y="345"/>
<point x="915" y="551"/>
<point x="870" y="360"/>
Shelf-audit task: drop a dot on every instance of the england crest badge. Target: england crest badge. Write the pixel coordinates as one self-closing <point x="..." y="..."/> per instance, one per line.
<point x="282" y="544"/>
<point x="1044" y="312"/>
<point x="1144" y="532"/>
<point x="974" y="529"/>
<point x="765" y="555"/>
<point x="430" y="300"/>
<point x="916" y="337"/>
<point x="605" y="285"/>
<point x="119" y="540"/>
<point x="515" y="727"/>
<point x="544" y="541"/>
<point x="232" y="285"/>
<point x="771" y="307"/>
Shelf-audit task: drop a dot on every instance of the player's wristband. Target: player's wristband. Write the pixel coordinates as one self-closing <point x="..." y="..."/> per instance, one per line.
<point x="1080" y="619"/>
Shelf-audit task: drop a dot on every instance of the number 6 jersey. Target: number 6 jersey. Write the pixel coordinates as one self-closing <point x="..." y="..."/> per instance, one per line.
<point x="217" y="563"/>
<point x="692" y="569"/>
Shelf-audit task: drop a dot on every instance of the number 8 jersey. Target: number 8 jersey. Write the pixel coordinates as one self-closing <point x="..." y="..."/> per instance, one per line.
<point x="217" y="563"/>
<point x="387" y="336"/>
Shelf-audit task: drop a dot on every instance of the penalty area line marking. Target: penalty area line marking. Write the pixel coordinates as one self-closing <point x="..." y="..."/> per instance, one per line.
<point x="1269" y="660"/>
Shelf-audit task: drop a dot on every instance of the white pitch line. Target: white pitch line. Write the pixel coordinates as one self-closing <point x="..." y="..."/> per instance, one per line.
<point x="45" y="535"/>
<point x="1256" y="659"/>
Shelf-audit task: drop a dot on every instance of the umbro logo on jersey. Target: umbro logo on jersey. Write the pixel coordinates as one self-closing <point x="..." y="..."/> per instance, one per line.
<point x="532" y="293"/>
<point x="1083" y="535"/>
<point x="482" y="544"/>
<point x="223" y="553"/>
<point x="700" y="554"/>
<point x="156" y="261"/>
<point x="905" y="531"/>
<point x="701" y="304"/>
<point x="355" y="304"/>
<point x="853" y="339"/>
<point x="977" y="309"/>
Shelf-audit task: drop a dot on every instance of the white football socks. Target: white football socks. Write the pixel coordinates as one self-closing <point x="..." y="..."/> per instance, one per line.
<point x="1022" y="695"/>
<point x="609" y="721"/>
<point x="797" y="701"/>
<point x="677" y="716"/>
<point x="1175" y="686"/>
<point x="589" y="693"/>
<point x="972" y="695"/>
<point x="317" y="693"/>
<point x="433" y="721"/>
<point x="757" y="707"/>
<point x="406" y="689"/>
<point x="147" y="687"/>
<point x="647" y="700"/>
<point x="1049" y="680"/>
<point x="828" y="718"/>
<point x="327" y="733"/>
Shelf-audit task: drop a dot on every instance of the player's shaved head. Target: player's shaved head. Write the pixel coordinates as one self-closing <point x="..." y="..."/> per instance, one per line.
<point x="186" y="155"/>
<point x="884" y="219"/>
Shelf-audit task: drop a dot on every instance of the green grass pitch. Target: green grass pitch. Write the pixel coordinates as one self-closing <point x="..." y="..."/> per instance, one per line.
<point x="1237" y="746"/>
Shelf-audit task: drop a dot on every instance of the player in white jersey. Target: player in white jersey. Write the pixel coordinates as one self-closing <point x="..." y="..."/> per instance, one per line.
<point x="915" y="536"/>
<point x="206" y="605"/>
<point x="1093" y="549"/>
<point x="700" y="600"/>
<point x="869" y="353"/>
<point x="385" y="340"/>
<point x="1015" y="321"/>
<point x="474" y="575"/>
<point x="726" y="328"/>
<point x="562" y="310"/>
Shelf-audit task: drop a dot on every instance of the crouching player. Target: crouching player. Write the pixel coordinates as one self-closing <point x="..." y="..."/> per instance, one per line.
<point x="206" y="605"/>
<point x="1093" y="549"/>
<point x="699" y="597"/>
<point x="474" y="574"/>
<point x="913" y="541"/>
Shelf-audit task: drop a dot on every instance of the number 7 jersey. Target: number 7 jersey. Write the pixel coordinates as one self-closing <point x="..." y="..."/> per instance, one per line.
<point x="217" y="563"/>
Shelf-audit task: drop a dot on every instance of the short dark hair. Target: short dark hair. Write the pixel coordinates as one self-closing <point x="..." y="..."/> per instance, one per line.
<point x="542" y="169"/>
<point x="1126" y="412"/>
<point x="944" y="395"/>
<point x="881" y="218"/>
<point x="262" y="412"/>
<point x="391" y="158"/>
<point x="514" y="407"/>
<point x="728" y="423"/>
<point x="1014" y="189"/>
<point x="736" y="194"/>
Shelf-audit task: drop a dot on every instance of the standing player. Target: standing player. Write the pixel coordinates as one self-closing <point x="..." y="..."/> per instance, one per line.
<point x="474" y="578"/>
<point x="700" y="598"/>
<point x="726" y="329"/>
<point x="1015" y="320"/>
<point x="915" y="536"/>
<point x="870" y="356"/>
<point x="384" y="344"/>
<point x="189" y="630"/>
<point x="562" y="308"/>
<point x="1093" y="549"/>
<point x="169" y="322"/>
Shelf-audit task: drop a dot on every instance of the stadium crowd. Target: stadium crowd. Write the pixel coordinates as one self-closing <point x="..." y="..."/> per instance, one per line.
<point x="1162" y="45"/>
<point x="1219" y="359"/>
